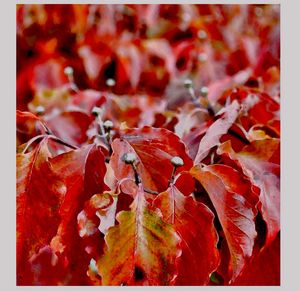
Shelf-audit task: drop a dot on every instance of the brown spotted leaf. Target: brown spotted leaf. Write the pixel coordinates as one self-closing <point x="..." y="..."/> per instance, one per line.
<point x="141" y="249"/>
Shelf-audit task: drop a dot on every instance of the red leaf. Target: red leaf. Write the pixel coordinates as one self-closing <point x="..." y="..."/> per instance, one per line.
<point x="39" y="193"/>
<point x="216" y="130"/>
<point x="70" y="126"/>
<point x="137" y="110"/>
<point x="94" y="58"/>
<point x="95" y="219"/>
<point x="28" y="126"/>
<point x="235" y="207"/>
<point x="25" y="116"/>
<point x="264" y="269"/>
<point x="160" y="53"/>
<point x="193" y="138"/>
<point x="154" y="148"/>
<point x="83" y="171"/>
<point x="259" y="161"/>
<point x="41" y="74"/>
<point x="141" y="249"/>
<point x="48" y="268"/>
<point x="193" y="222"/>
<point x="87" y="99"/>
<point x="129" y="66"/>
<point x="185" y="183"/>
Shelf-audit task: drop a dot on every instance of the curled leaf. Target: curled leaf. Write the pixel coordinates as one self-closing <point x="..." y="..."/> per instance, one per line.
<point x="216" y="130"/>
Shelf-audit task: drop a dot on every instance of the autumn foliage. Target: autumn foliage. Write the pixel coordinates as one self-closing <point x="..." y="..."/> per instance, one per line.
<point x="148" y="145"/>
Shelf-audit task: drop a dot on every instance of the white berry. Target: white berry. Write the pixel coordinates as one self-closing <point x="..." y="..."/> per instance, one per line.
<point x="177" y="161"/>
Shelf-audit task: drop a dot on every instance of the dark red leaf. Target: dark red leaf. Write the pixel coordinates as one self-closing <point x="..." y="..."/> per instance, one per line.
<point x="235" y="206"/>
<point x="82" y="171"/>
<point x="259" y="162"/>
<point x="40" y="192"/>
<point x="48" y="268"/>
<point x="264" y="269"/>
<point x="193" y="222"/>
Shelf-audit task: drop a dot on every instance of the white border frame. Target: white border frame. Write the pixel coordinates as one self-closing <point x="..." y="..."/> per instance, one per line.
<point x="290" y="190"/>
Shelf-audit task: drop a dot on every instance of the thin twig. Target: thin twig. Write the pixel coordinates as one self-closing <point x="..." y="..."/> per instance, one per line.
<point x="60" y="141"/>
<point x="151" y="191"/>
<point x="105" y="135"/>
<point x="238" y="136"/>
<point x="137" y="177"/>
